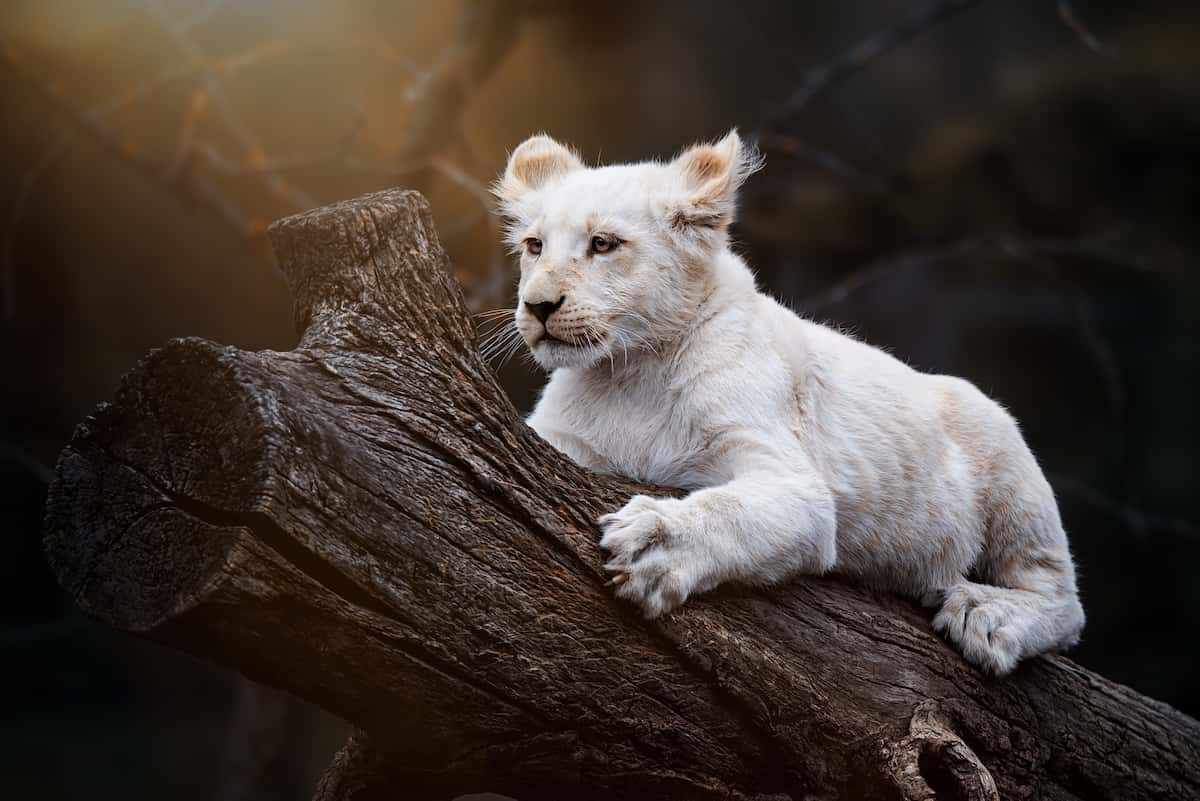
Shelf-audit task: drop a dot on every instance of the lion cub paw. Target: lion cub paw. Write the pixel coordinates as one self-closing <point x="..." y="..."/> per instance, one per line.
<point x="650" y="558"/>
<point x="983" y="624"/>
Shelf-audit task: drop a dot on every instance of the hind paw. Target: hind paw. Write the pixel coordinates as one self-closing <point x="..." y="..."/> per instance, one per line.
<point x="981" y="627"/>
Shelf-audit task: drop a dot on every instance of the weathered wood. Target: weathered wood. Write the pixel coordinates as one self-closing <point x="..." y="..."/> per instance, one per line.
<point x="366" y="522"/>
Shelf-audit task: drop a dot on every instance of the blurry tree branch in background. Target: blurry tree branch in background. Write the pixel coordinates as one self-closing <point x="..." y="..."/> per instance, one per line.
<point x="1037" y="253"/>
<point x="1066" y="12"/>
<point x="772" y="135"/>
<point x="258" y="743"/>
<point x="790" y="144"/>
<point x="196" y="168"/>
<point x="41" y="472"/>
<point x="1136" y="521"/>
<point x="213" y="94"/>
<point x="821" y="78"/>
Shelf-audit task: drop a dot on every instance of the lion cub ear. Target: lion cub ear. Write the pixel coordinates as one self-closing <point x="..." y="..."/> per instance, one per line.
<point x="535" y="162"/>
<point x="709" y="176"/>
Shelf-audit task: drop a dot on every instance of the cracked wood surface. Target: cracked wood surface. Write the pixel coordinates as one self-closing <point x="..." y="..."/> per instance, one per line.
<point x="366" y="522"/>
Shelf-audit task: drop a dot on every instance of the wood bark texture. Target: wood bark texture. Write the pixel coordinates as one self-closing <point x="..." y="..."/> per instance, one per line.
<point x="366" y="522"/>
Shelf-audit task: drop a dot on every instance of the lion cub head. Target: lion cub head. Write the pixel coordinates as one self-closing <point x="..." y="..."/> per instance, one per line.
<point x="615" y="259"/>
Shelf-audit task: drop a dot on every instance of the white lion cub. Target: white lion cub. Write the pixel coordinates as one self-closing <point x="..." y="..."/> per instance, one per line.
<point x="804" y="451"/>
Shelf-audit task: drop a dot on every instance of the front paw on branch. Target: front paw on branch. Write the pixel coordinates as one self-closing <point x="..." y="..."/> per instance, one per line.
<point x="647" y="555"/>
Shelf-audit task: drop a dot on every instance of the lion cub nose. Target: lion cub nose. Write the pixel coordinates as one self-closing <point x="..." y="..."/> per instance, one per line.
<point x="543" y="310"/>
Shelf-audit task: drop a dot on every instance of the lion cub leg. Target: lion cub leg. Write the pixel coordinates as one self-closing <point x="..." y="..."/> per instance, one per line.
<point x="760" y="528"/>
<point x="1030" y="604"/>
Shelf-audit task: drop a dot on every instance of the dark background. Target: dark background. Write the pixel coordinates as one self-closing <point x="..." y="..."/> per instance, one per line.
<point x="1005" y="196"/>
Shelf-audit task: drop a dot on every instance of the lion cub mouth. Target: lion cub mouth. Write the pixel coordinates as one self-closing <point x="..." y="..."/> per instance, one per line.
<point x="550" y="339"/>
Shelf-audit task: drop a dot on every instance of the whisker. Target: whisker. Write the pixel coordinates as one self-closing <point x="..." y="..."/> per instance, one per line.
<point x="494" y="313"/>
<point x="649" y="345"/>
<point x="596" y="340"/>
<point x="516" y="345"/>
<point x="510" y="346"/>
<point x="499" y="341"/>
<point x="629" y="340"/>
<point x="491" y="335"/>
<point x="506" y="346"/>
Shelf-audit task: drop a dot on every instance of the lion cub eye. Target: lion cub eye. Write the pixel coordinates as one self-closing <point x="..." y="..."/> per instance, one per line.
<point x="602" y="244"/>
<point x="533" y="245"/>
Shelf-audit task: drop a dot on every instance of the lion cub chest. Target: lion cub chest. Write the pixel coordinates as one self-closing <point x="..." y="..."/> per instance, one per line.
<point x="635" y="424"/>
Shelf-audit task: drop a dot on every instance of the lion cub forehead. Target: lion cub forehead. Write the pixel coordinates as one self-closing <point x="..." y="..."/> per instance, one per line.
<point x="622" y="190"/>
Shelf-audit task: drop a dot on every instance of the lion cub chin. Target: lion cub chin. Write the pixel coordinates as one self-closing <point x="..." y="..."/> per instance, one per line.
<point x="805" y="451"/>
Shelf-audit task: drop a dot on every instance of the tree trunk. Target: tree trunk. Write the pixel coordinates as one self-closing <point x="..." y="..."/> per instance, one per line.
<point x="366" y="522"/>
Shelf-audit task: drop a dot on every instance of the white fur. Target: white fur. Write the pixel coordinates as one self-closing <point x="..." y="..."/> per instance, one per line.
<point x="804" y="450"/>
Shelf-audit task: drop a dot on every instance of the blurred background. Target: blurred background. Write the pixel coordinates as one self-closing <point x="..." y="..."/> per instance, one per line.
<point x="1006" y="191"/>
